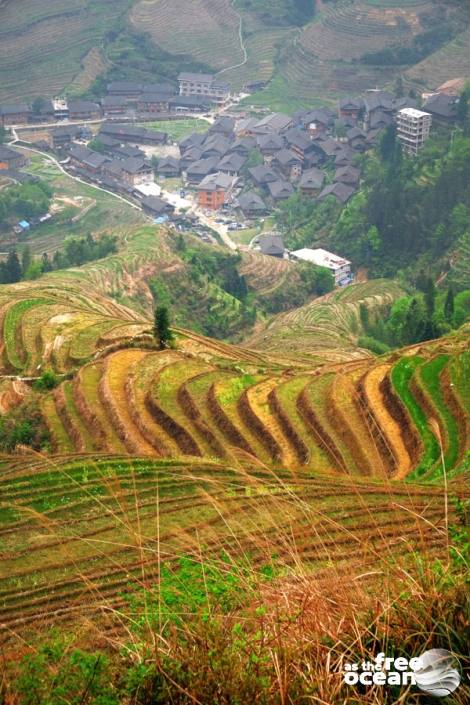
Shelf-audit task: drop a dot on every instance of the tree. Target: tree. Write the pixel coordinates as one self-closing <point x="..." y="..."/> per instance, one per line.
<point x="25" y="258"/>
<point x="399" y="87"/>
<point x="97" y="146"/>
<point x="46" y="263"/>
<point x="430" y="297"/>
<point x="415" y="323"/>
<point x="13" y="268"/>
<point x="161" y="330"/>
<point x="462" y="105"/>
<point x="449" y="305"/>
<point x="37" y="105"/>
<point x="3" y="135"/>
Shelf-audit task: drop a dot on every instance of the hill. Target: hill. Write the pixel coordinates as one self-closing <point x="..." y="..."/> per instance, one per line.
<point x="304" y="54"/>
<point x="280" y="404"/>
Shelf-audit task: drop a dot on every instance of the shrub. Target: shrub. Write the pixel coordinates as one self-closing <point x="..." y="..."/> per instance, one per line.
<point x="375" y="346"/>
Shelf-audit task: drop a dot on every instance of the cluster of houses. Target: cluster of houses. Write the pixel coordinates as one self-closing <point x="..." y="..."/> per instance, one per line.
<point x="195" y="93"/>
<point x="289" y="154"/>
<point x="247" y="163"/>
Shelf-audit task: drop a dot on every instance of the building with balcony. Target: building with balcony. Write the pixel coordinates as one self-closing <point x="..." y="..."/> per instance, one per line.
<point x="413" y="128"/>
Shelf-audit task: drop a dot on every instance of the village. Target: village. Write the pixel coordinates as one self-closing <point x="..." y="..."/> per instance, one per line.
<point x="231" y="176"/>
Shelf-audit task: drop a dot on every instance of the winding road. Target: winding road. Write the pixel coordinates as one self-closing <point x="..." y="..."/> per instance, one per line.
<point x="172" y="198"/>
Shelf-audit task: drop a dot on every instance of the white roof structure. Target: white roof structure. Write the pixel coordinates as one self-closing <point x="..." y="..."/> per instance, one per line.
<point x="322" y="258"/>
<point x="413" y="113"/>
<point x="151" y="189"/>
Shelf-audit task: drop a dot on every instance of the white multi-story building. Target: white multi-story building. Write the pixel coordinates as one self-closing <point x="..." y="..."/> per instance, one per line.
<point x="413" y="128"/>
<point x="338" y="266"/>
<point x="203" y="85"/>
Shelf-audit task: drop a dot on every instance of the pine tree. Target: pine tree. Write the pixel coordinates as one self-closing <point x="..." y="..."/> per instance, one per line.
<point x="161" y="330"/>
<point x="430" y="297"/>
<point x="46" y="263"/>
<point x="25" y="258"/>
<point x="13" y="268"/>
<point x="449" y="305"/>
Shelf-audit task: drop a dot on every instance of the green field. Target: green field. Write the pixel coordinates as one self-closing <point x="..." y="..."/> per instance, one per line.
<point x="178" y="129"/>
<point x="108" y="213"/>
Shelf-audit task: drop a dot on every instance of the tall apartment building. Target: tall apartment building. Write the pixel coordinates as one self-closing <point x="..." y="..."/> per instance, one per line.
<point x="203" y="85"/>
<point x="413" y="127"/>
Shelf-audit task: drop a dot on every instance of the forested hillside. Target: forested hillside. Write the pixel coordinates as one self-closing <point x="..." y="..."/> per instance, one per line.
<point x="410" y="214"/>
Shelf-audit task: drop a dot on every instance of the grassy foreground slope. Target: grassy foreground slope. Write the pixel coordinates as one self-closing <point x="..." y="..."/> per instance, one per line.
<point x="79" y="535"/>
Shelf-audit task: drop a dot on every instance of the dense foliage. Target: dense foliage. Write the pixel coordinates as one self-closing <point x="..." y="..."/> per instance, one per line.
<point x="134" y="56"/>
<point x="424" y="314"/>
<point x="24" y="201"/>
<point x="79" y="250"/>
<point x="421" y="46"/>
<point x="409" y="208"/>
<point x="24" y="426"/>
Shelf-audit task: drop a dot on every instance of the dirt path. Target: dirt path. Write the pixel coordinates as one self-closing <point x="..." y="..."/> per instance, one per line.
<point x="242" y="44"/>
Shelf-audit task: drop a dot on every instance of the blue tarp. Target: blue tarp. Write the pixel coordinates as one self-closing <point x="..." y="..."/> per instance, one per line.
<point x="24" y="224"/>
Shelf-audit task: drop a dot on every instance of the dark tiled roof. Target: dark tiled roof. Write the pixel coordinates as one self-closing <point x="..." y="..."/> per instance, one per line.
<point x="83" y="106"/>
<point x="113" y="101"/>
<point x="158" y="89"/>
<point x="251" y="201"/>
<point x="223" y="124"/>
<point x="191" y="101"/>
<point x="168" y="163"/>
<point x="157" y="205"/>
<point x="132" y="165"/>
<point x="14" y="109"/>
<point x="196" y="77"/>
<point x="340" y="191"/>
<point x="271" y="244"/>
<point x="280" y="189"/>
<point x="286" y="156"/>
<point x="88" y="157"/>
<point x="263" y="174"/>
<point x="124" y="86"/>
<point x="193" y="140"/>
<point x="378" y="100"/>
<point x="348" y="175"/>
<point x="203" y="166"/>
<point x="215" y="182"/>
<point x="231" y="162"/>
<point x="442" y="105"/>
<point x="270" y="142"/>
<point x="351" y="103"/>
<point x="312" y="178"/>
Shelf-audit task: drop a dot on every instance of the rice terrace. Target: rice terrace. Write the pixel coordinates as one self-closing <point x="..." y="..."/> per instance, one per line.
<point x="234" y="352"/>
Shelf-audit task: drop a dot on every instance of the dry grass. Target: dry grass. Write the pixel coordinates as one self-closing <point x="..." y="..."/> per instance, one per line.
<point x="226" y="584"/>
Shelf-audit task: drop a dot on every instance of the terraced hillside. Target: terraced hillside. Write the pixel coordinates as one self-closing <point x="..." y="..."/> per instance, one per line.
<point x="205" y="29"/>
<point x="331" y="323"/>
<point x="58" y="45"/>
<point x="210" y="400"/>
<point x="80" y="536"/>
<point x="43" y="45"/>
